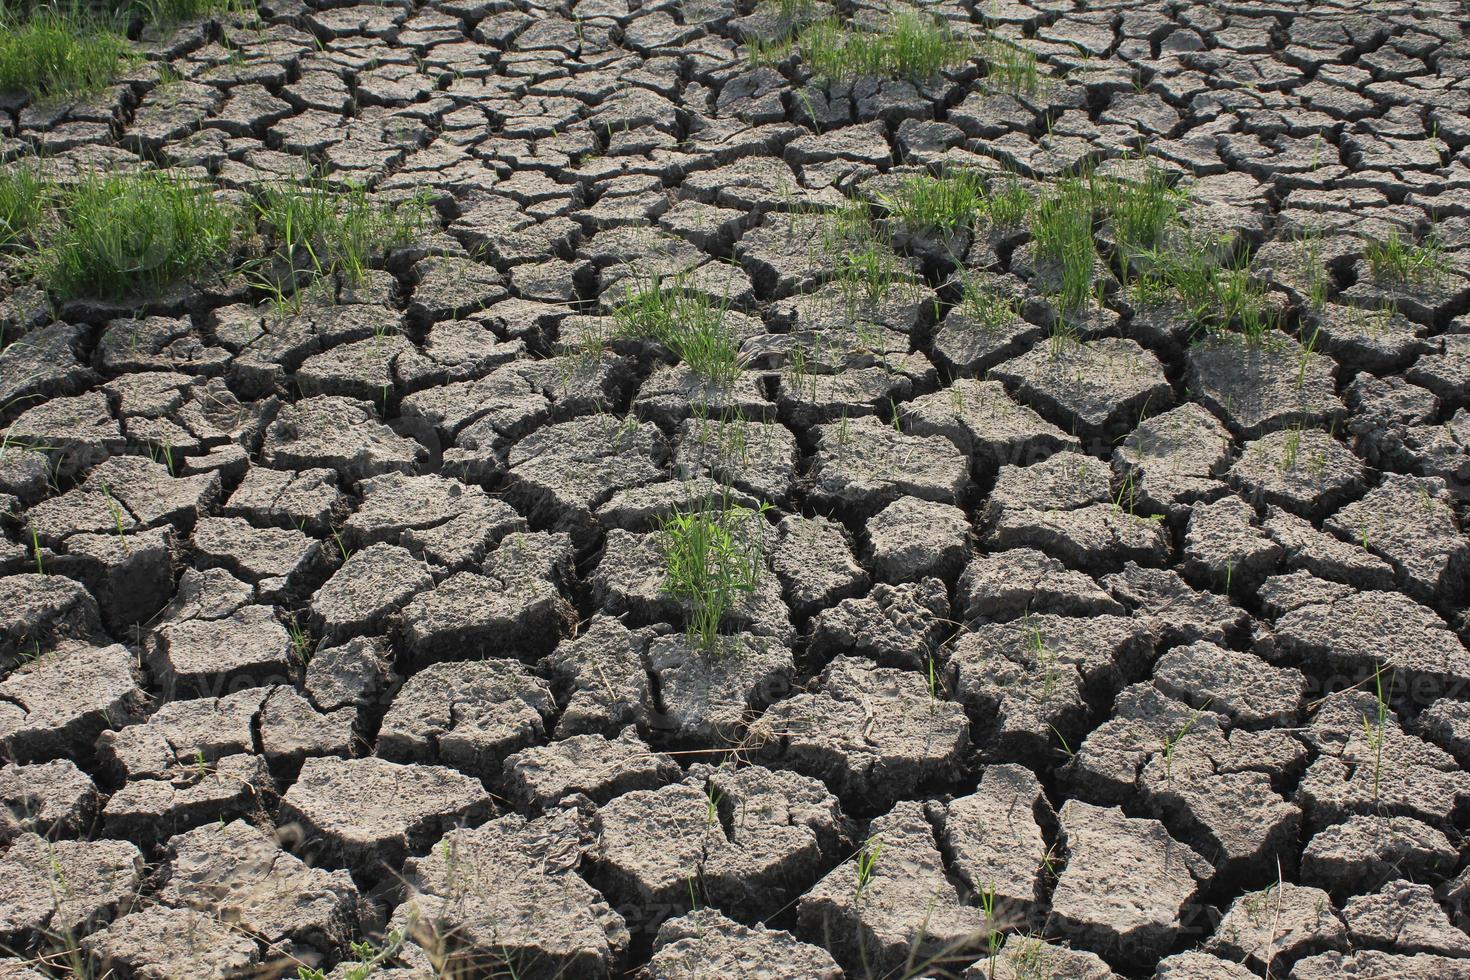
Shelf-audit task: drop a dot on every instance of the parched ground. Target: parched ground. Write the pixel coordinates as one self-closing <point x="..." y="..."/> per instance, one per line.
<point x="335" y="637"/>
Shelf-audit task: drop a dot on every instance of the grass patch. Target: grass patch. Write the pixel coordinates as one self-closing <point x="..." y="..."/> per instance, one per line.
<point x="1009" y="68"/>
<point x="1216" y="296"/>
<point x="945" y="204"/>
<point x="912" y="45"/>
<point x="712" y="557"/>
<point x="323" y="230"/>
<point x="23" y="199"/>
<point x="134" y="234"/>
<point x="1141" y="211"/>
<point x="686" y="322"/>
<point x="55" y="53"/>
<point x="987" y="307"/>
<point x="1061" y="225"/>
<point x="1401" y="260"/>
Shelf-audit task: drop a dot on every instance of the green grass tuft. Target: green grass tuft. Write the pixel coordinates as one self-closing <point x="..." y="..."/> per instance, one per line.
<point x="321" y="230"/>
<point x="712" y="556"/>
<point x="51" y="53"/>
<point x="1009" y="68"/>
<point x="23" y="199"/>
<point x="913" y="45"/>
<point x="945" y="204"/>
<point x="1061" y="224"/>
<point x="134" y="234"/>
<point x="686" y="322"/>
<point x="1399" y="259"/>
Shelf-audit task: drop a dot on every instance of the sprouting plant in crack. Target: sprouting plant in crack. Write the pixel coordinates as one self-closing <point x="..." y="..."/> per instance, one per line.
<point x="1062" y="741"/>
<point x="712" y="556"/>
<point x="1374" y="731"/>
<point x="992" y="927"/>
<point x="1402" y="260"/>
<point x="36" y="550"/>
<point x="867" y="863"/>
<point x="685" y="321"/>
<point x="1171" y="742"/>
<point x="301" y="643"/>
<point x="712" y="799"/>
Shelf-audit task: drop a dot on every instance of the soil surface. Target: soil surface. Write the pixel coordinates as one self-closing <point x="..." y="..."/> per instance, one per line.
<point x="338" y="639"/>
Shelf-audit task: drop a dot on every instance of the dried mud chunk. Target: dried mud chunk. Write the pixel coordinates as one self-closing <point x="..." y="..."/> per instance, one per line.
<point x="563" y="472"/>
<point x="280" y="498"/>
<point x="151" y="494"/>
<point x="1224" y="547"/>
<point x="1108" y="765"/>
<point x="1377" y="341"/>
<point x="760" y="458"/>
<point x="291" y="728"/>
<point x="1406" y="918"/>
<point x="905" y="909"/>
<point x="56" y="705"/>
<point x="39" y="611"/>
<point x="369" y="814"/>
<point x="342" y="434"/>
<point x="705" y="945"/>
<point x="1278" y="926"/>
<point x="814" y="561"/>
<point x="209" y="654"/>
<point x="1171" y="461"/>
<point x="182" y="733"/>
<point x="1365" y="852"/>
<point x="1066" y="480"/>
<point x="1306" y="471"/>
<point x="160" y="942"/>
<point x="1239" y="685"/>
<point x="913" y="539"/>
<point x="1200" y="966"/>
<point x="1325" y="556"/>
<point x="706" y="696"/>
<point x="467" y="715"/>
<point x="470" y="614"/>
<point x="966" y="344"/>
<point x="100" y="878"/>
<point x="1366" y="763"/>
<point x="1411" y="523"/>
<point x="75" y="433"/>
<point x="669" y="396"/>
<point x="1011" y="584"/>
<point x="894" y="625"/>
<point x="1357" y="631"/>
<point x="509" y="894"/>
<point x="1172" y="610"/>
<point x="53" y="799"/>
<point x="276" y="558"/>
<point x="873" y="734"/>
<point x="996" y="840"/>
<point x="367" y="591"/>
<point x="1260" y="388"/>
<point x="1217" y="797"/>
<point x="985" y="424"/>
<point x="1369" y="963"/>
<point x="603" y="669"/>
<point x="1097" y="537"/>
<point x="630" y="580"/>
<point x="148" y="810"/>
<point x="131" y="575"/>
<point x="1127" y="884"/>
<point x="43" y="363"/>
<point x="754" y="839"/>
<point x="863" y="465"/>
<point x="1446" y="373"/>
<point x="1026" y="957"/>
<point x="599" y="768"/>
<point x="1096" y="388"/>
<point x="447" y="522"/>
<point x="239" y="874"/>
<point x="1027" y="682"/>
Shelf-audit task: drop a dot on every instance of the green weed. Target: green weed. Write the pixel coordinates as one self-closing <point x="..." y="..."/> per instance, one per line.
<point x="1009" y="68"/>
<point x="945" y="204"/>
<point x="1061" y="225"/>
<point x="913" y="45"/>
<point x="56" y="53"/>
<point x="134" y="234"/>
<point x="712" y="556"/>
<point x="1401" y="260"/>
<point x="323" y="230"/>
<point x="686" y="322"/>
<point x="867" y="862"/>
<point x="23" y="199"/>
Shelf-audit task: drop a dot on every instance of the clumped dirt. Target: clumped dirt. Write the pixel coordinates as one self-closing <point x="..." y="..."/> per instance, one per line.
<point x="1123" y="653"/>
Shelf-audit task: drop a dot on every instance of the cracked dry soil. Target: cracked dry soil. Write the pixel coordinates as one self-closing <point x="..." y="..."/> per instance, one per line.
<point x="1133" y="653"/>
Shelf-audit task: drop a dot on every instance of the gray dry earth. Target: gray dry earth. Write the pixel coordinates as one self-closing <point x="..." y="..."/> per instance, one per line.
<point x="1122" y="730"/>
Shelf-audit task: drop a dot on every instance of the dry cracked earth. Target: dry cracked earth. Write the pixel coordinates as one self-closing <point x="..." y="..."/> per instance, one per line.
<point x="1133" y="654"/>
